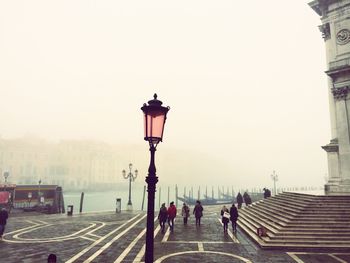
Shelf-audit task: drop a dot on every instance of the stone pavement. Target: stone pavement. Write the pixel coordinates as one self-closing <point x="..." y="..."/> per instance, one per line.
<point x="111" y="237"/>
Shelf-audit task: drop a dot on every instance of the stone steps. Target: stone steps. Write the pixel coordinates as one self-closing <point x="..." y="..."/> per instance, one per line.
<point x="307" y="241"/>
<point x="269" y="216"/>
<point x="315" y="228"/>
<point x="286" y="213"/>
<point x="292" y="221"/>
<point x="312" y="217"/>
<point x="313" y="234"/>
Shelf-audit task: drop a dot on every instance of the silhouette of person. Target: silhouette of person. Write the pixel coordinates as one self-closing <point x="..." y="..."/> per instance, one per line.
<point x="52" y="258"/>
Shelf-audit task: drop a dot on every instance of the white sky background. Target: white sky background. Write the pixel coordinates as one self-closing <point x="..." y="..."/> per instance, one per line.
<point x="244" y="79"/>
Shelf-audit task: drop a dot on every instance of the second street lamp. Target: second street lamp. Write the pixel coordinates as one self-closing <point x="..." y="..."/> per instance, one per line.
<point x="29" y="198"/>
<point x="274" y="177"/>
<point x="154" y="120"/>
<point x="39" y="193"/>
<point x="6" y="175"/>
<point x="131" y="176"/>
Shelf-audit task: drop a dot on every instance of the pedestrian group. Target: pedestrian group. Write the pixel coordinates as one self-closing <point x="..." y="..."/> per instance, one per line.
<point x="169" y="215"/>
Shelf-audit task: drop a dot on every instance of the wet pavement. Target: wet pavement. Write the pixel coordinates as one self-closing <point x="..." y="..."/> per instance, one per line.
<point x="112" y="237"/>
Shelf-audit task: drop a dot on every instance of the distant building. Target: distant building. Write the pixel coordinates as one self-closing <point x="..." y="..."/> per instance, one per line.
<point x="71" y="164"/>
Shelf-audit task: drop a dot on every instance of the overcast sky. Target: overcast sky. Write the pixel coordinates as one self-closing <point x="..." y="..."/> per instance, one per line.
<point x="244" y="80"/>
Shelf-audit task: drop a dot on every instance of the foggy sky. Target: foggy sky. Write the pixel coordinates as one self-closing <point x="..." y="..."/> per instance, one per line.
<point x="244" y="80"/>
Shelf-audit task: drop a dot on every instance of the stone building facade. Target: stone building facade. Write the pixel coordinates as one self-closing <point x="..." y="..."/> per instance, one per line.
<point x="74" y="165"/>
<point x="335" y="28"/>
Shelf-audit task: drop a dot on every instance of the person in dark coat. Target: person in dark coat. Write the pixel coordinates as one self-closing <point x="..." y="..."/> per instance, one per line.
<point x="198" y="212"/>
<point x="247" y="199"/>
<point x="239" y="199"/>
<point x="267" y="193"/>
<point x="3" y="220"/>
<point x="225" y="218"/>
<point x="234" y="217"/>
<point x="162" y="217"/>
<point x="52" y="258"/>
<point x="185" y="212"/>
<point x="171" y="216"/>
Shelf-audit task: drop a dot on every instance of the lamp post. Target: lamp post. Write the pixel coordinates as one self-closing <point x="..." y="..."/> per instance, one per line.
<point x="131" y="178"/>
<point x="39" y="193"/>
<point x="29" y="198"/>
<point x="154" y="120"/>
<point x="274" y="177"/>
<point x="6" y="175"/>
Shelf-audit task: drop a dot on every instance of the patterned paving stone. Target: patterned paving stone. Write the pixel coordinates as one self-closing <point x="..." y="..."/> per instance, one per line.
<point x="111" y="237"/>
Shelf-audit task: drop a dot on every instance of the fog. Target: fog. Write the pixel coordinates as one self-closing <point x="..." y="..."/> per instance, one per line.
<point x="244" y="80"/>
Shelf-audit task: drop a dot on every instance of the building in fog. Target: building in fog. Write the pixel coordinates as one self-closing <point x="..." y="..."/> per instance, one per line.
<point x="74" y="165"/>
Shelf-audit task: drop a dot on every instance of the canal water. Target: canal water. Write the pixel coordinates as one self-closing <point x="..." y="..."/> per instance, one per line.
<point x="106" y="200"/>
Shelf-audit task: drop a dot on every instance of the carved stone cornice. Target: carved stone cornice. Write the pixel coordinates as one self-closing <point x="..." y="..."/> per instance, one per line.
<point x="338" y="69"/>
<point x="324" y="7"/>
<point x="321" y="6"/>
<point x="331" y="147"/>
<point x="341" y="93"/>
<point x="325" y="30"/>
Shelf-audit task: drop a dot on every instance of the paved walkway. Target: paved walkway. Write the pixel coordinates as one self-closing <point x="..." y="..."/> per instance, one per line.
<point x="111" y="237"/>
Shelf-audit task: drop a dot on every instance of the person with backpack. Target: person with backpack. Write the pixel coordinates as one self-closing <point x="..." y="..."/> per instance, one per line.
<point x="225" y="218"/>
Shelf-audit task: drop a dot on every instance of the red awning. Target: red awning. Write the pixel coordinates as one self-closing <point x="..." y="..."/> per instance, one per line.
<point x="4" y="197"/>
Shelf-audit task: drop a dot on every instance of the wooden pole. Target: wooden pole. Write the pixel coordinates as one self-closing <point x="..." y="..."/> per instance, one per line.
<point x="81" y="202"/>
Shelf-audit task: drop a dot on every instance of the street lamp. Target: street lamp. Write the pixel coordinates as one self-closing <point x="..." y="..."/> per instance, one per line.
<point x="154" y="120"/>
<point x="274" y="177"/>
<point x="29" y="198"/>
<point x="131" y="178"/>
<point x="39" y="193"/>
<point x="6" y="175"/>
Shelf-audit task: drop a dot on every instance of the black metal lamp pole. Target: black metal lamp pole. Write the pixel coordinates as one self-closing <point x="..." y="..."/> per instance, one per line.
<point x="129" y="202"/>
<point x="151" y="181"/>
<point x="155" y="116"/>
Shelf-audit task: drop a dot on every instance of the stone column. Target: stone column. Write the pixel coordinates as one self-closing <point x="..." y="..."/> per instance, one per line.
<point x="332" y="150"/>
<point x="342" y="102"/>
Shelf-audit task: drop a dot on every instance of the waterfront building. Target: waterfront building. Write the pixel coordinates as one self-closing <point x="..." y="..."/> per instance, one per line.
<point x="335" y="30"/>
<point x="72" y="164"/>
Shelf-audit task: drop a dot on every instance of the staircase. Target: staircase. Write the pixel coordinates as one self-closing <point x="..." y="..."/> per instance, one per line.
<point x="299" y="221"/>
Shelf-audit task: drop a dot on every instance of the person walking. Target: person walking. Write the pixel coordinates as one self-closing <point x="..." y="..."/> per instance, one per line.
<point x="185" y="213"/>
<point x="3" y="220"/>
<point x="247" y="199"/>
<point x="267" y="193"/>
<point x="52" y="258"/>
<point x="234" y="217"/>
<point x="198" y="212"/>
<point x="239" y="199"/>
<point x="225" y="218"/>
<point x="162" y="217"/>
<point x="171" y="216"/>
